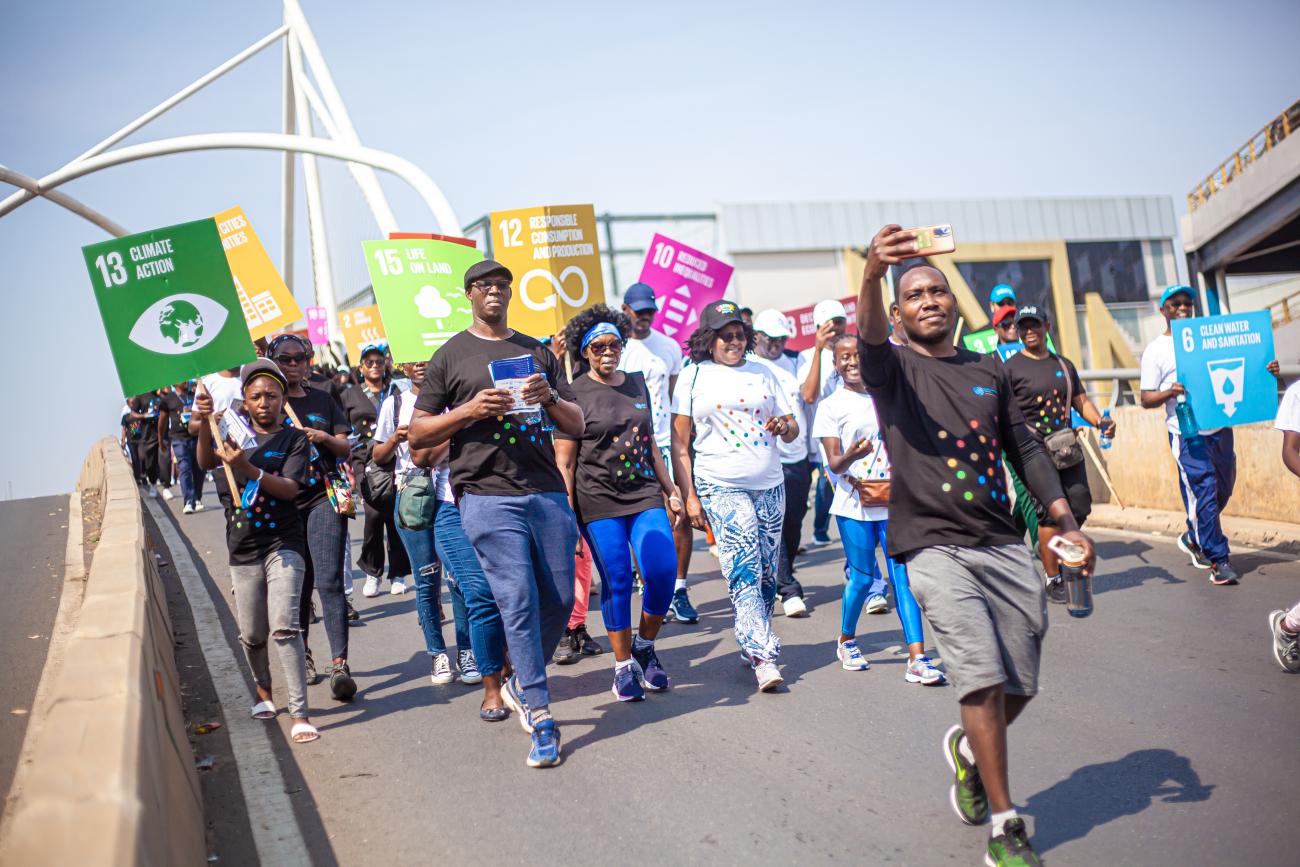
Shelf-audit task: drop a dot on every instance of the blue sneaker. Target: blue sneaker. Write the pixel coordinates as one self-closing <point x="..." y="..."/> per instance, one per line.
<point x="546" y="745"/>
<point x="681" y="608"/>
<point x="514" y="697"/>
<point x="656" y="679"/>
<point x="627" y="683"/>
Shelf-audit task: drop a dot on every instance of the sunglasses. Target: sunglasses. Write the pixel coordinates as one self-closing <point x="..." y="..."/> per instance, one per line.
<point x="489" y="285"/>
<point x="605" y="347"/>
<point x="732" y="337"/>
<point x="299" y="358"/>
<point x="373" y="362"/>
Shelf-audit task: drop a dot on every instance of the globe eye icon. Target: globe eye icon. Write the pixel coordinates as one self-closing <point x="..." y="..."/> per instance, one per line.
<point x="178" y="324"/>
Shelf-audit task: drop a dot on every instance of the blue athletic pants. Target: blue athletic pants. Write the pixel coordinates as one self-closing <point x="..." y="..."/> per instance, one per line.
<point x="1207" y="472"/>
<point x="651" y="539"/>
<point x="862" y="577"/>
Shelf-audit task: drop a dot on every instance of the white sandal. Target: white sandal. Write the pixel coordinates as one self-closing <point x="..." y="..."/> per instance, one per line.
<point x="303" y="733"/>
<point x="264" y="710"/>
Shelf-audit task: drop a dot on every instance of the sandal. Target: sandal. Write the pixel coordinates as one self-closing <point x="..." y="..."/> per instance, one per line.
<point x="264" y="710"/>
<point x="303" y="733"/>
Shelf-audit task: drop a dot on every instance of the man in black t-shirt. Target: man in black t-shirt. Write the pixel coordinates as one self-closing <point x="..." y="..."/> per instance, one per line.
<point x="946" y="414"/>
<point x="177" y="403"/>
<point x="510" y="492"/>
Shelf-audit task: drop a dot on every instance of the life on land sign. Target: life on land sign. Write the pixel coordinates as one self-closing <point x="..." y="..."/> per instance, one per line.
<point x="1223" y="364"/>
<point x="266" y="301"/>
<point x="169" y="305"/>
<point x="419" y="288"/>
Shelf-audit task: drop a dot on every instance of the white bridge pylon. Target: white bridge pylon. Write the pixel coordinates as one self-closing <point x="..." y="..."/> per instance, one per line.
<point x="303" y="103"/>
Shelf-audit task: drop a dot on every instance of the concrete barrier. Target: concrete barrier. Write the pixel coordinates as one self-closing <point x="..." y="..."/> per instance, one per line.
<point x="109" y="776"/>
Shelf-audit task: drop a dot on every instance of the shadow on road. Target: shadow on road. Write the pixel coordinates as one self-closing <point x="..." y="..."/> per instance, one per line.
<point x="1101" y="793"/>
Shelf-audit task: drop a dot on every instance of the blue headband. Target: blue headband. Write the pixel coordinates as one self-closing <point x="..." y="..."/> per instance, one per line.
<point x="596" y="330"/>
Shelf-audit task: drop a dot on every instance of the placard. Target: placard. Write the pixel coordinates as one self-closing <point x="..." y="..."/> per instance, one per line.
<point x="267" y="303"/>
<point x="419" y="289"/>
<point x="360" y="326"/>
<point x="1223" y="364"/>
<point x="805" y="332"/>
<point x="318" y="331"/>
<point x="684" y="280"/>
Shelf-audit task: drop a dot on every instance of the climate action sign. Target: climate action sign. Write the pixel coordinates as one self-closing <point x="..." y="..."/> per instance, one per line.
<point x="1223" y="363"/>
<point x="684" y="280"/>
<point x="169" y="305"/>
<point x="419" y="287"/>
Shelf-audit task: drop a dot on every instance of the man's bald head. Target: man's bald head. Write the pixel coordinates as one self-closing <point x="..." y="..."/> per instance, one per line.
<point x="916" y="271"/>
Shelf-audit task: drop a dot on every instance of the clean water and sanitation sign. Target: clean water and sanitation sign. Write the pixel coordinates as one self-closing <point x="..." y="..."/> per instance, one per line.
<point x="1223" y="363"/>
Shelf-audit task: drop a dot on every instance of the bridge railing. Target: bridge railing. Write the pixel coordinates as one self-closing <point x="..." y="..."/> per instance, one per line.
<point x="1273" y="132"/>
<point x="1119" y="386"/>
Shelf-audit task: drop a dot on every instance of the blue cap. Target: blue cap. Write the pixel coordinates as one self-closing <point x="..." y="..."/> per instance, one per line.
<point x="1002" y="292"/>
<point x="1171" y="291"/>
<point x="640" y="296"/>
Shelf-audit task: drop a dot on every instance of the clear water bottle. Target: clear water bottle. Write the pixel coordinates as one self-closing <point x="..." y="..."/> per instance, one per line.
<point x="1105" y="437"/>
<point x="1186" y="420"/>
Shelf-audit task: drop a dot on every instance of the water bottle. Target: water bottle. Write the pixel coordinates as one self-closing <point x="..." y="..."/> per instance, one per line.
<point x="1078" y="587"/>
<point x="1186" y="421"/>
<point x="1105" y="437"/>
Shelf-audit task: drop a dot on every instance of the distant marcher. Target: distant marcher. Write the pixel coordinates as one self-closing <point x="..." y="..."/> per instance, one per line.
<point x="816" y="380"/>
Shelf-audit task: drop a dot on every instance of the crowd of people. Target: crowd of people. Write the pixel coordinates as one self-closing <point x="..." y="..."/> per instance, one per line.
<point x="508" y="470"/>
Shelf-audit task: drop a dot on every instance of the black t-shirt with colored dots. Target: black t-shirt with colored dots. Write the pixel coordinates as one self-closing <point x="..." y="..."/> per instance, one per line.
<point x="267" y="524"/>
<point x="505" y="455"/>
<point x="946" y="422"/>
<point x="318" y="409"/>
<point x="1040" y="388"/>
<point x="615" y="473"/>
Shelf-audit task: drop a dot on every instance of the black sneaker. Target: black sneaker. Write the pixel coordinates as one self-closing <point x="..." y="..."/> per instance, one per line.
<point x="312" y="676"/>
<point x="1056" y="592"/>
<point x="353" y="614"/>
<point x="567" y="652"/>
<point x="1193" y="550"/>
<point x="342" y="686"/>
<point x="315" y="618"/>
<point x="1011" y="848"/>
<point x="586" y="645"/>
<point x="1223" y="574"/>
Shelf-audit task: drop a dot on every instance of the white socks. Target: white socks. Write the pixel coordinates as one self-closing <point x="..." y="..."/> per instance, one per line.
<point x="998" y="820"/>
<point x="680" y="585"/>
<point x="620" y="664"/>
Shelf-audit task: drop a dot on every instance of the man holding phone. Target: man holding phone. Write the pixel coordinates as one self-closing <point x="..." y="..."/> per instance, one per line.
<point x="946" y="413"/>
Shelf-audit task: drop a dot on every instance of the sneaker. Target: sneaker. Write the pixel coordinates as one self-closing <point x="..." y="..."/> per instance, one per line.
<point x="713" y="550"/>
<point x="818" y="542"/>
<point x="652" y="671"/>
<point x="208" y="477"/>
<point x="1056" y="593"/>
<point x="1286" y="647"/>
<point x="513" y="696"/>
<point x="188" y="509"/>
<point x="199" y="507"/>
<point x="967" y="796"/>
<point x="312" y="676"/>
<point x="371" y="588"/>
<point x="397" y="588"/>
<point x="353" y="614"/>
<point x="1011" y="848"/>
<point x="795" y="607"/>
<point x="546" y="745"/>
<point x="584" y="643"/>
<point x="921" y="670"/>
<point x="877" y="604"/>
<point x="850" y="657"/>
<point x="441" y="675"/>
<point x="153" y="492"/>
<point x="342" y="686"/>
<point x="768" y="675"/>
<point x="167" y="494"/>
<point x="566" y="653"/>
<point x="1193" y="550"/>
<point x="627" y="683"/>
<point x="1223" y="574"/>
<point x="468" y="666"/>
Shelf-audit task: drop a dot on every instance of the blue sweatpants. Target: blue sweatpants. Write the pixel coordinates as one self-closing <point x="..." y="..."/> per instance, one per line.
<point x="862" y="577"/>
<point x="651" y="538"/>
<point x="1207" y="472"/>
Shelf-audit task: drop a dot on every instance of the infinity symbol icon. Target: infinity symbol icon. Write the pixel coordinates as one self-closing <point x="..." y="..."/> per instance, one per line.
<point x="557" y="288"/>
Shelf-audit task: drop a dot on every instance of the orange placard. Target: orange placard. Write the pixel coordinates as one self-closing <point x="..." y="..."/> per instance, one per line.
<point x="267" y="303"/>
<point x="360" y="325"/>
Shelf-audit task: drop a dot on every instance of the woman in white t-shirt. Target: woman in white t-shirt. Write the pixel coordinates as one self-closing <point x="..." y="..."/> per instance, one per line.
<point x="854" y="452"/>
<point x="735" y="409"/>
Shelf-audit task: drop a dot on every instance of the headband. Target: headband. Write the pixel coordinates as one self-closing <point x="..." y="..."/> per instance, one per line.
<point x="596" y="331"/>
<point x="281" y="338"/>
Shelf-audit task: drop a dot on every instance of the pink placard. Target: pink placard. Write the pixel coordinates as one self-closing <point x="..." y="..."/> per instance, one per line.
<point x="805" y="332"/>
<point x="684" y="280"/>
<point x="318" y="330"/>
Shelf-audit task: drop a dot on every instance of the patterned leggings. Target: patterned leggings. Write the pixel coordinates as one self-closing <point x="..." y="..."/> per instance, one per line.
<point x="747" y="525"/>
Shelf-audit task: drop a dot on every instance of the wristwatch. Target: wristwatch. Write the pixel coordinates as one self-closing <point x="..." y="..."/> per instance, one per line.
<point x="554" y="398"/>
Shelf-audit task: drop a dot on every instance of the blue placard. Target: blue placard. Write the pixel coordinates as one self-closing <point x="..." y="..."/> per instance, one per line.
<point x="1223" y="363"/>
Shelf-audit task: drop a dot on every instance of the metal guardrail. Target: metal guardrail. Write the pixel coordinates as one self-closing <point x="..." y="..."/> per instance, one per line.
<point x="1259" y="144"/>
<point x="1285" y="309"/>
<point x="1114" y="379"/>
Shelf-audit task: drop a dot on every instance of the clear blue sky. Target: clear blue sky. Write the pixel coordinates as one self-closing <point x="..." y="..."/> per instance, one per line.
<point x="669" y="106"/>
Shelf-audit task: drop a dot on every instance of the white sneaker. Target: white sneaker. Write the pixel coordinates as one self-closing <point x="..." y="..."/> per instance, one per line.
<point x="768" y="675"/>
<point x="921" y="670"/>
<point x="795" y="607"/>
<point x="851" y="657"/>
<point x="442" y="670"/>
<point x="371" y="588"/>
<point x="168" y="495"/>
<point x="397" y="589"/>
<point x="153" y="492"/>
<point x="713" y="549"/>
<point x="877" y="604"/>
<point x="198" y="507"/>
<point x="188" y="510"/>
<point x="208" y="478"/>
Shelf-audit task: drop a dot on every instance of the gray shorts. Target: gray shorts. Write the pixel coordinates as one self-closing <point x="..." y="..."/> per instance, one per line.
<point x="988" y="610"/>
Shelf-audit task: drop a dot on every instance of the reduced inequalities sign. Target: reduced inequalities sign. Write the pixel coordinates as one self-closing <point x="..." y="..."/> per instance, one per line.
<point x="684" y="280"/>
<point x="1223" y="363"/>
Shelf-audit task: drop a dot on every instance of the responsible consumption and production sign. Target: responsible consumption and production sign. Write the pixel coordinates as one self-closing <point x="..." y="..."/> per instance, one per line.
<point x="420" y="289"/>
<point x="1223" y="363"/>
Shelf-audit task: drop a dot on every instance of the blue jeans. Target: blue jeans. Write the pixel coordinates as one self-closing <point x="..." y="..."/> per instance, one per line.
<point x="650" y="536"/>
<point x="421" y="548"/>
<point x="822" y="499"/>
<point x="1207" y="473"/>
<point x="465" y="575"/>
<point x="187" y="470"/>
<point x="525" y="544"/>
<point x="863" y="579"/>
<point x="327" y="533"/>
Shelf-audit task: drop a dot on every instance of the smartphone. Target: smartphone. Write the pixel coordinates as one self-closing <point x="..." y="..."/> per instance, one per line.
<point x="934" y="240"/>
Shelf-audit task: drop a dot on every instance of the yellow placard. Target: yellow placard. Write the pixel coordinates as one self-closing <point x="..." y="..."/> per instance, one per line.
<point x="268" y="304"/>
<point x="555" y="259"/>
<point x="360" y="325"/>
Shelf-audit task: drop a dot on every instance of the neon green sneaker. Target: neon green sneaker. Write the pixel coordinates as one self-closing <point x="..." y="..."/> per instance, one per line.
<point x="967" y="793"/>
<point x="1011" y="848"/>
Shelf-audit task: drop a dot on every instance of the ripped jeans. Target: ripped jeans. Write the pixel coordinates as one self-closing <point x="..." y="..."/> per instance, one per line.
<point x="266" y="607"/>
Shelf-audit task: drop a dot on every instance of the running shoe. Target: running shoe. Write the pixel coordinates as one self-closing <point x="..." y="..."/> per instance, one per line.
<point x="1056" y="593"/>
<point x="818" y="542"/>
<point x="1011" y="847"/>
<point x="923" y="671"/>
<point x="371" y="588"/>
<point x="396" y="587"/>
<point x="312" y="676"/>
<point x="342" y="686"/>
<point x="153" y="492"/>
<point x="167" y="494"/>
<point x="546" y="745"/>
<point x="795" y="607"/>
<point x="198" y="506"/>
<point x="1286" y="646"/>
<point x="1193" y="550"/>
<point x="468" y="666"/>
<point x="513" y="696"/>
<point x="627" y="685"/>
<point x="652" y="671"/>
<point x="877" y="604"/>
<point x="767" y="674"/>
<point x="566" y="653"/>
<point x="1223" y="574"/>
<point x="681" y="608"/>
<point x="441" y="675"/>
<point x="584" y="643"/>
<point x="967" y="796"/>
<point x="353" y="614"/>
<point x="188" y="509"/>
<point x="851" y="657"/>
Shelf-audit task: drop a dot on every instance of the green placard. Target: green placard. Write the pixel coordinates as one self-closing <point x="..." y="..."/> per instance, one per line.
<point x="169" y="305"/>
<point x="982" y="342"/>
<point x="419" y="287"/>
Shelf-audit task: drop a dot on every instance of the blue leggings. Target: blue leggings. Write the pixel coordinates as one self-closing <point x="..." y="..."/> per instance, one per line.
<point x="651" y="538"/>
<point x="861" y="572"/>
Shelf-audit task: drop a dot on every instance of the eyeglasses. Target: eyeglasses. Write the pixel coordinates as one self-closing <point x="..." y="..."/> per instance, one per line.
<point x="733" y="337"/>
<point x="300" y="358"/>
<point x="606" y="347"/>
<point x="372" y="362"/>
<point x="489" y="285"/>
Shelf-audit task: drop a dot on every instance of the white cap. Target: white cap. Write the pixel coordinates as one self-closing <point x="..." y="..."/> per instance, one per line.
<point x="773" y="323"/>
<point x="827" y="310"/>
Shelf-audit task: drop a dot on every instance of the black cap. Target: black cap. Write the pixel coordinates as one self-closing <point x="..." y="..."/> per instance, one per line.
<point x="479" y="270"/>
<point x="262" y="367"/>
<point x="1030" y="311"/>
<point x="639" y="296"/>
<point x="714" y="316"/>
